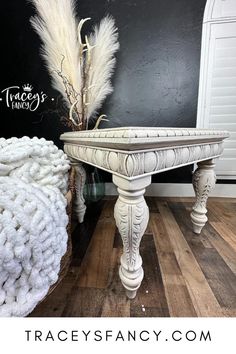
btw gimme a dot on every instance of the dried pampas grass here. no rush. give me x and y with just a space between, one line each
102 63
81 72
57 27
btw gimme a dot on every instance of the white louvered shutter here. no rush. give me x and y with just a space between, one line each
217 87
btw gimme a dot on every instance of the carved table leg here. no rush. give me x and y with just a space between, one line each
80 179
203 182
131 215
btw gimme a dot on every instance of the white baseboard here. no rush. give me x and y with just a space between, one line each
178 190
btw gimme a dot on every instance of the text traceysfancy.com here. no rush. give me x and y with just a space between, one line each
116 335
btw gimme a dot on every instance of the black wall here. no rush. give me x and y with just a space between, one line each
156 79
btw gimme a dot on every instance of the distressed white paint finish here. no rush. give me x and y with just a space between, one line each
132 155
135 164
80 179
131 215
133 152
217 85
137 138
204 180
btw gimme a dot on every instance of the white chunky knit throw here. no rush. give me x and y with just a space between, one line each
34 161
33 220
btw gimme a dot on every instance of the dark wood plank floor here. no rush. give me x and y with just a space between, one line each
186 275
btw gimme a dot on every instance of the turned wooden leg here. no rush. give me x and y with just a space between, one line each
131 215
203 182
80 179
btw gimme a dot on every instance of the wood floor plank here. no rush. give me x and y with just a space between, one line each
117 240
178 298
222 281
227 208
151 294
192 199
229 312
225 232
83 232
152 205
145 311
219 276
233 205
185 274
211 215
188 206
206 243
222 200
224 213
203 299
95 266
85 302
222 247
108 209
116 304
161 237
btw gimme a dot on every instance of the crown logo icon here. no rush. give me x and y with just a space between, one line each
27 87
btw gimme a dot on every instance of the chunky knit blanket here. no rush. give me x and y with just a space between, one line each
34 161
33 220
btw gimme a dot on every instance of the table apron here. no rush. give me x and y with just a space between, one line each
137 164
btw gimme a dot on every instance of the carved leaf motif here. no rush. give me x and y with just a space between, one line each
206 190
196 178
139 163
203 183
132 222
79 186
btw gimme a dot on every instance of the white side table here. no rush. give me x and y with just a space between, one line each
133 155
